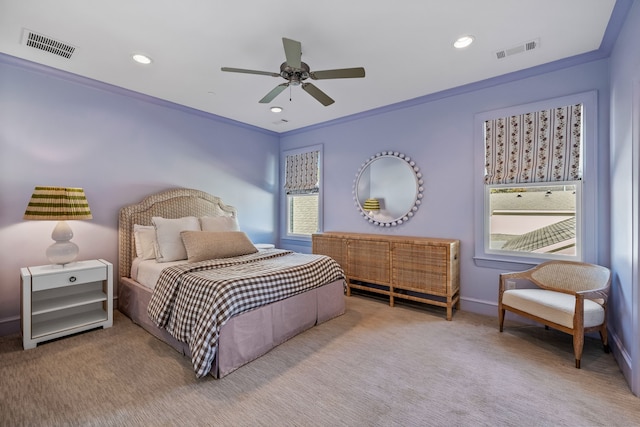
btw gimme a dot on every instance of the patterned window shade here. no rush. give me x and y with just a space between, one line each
302 173
535 147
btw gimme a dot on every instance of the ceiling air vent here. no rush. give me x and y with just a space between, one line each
522 47
39 41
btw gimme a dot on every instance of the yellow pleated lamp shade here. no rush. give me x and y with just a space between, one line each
58 204
371 205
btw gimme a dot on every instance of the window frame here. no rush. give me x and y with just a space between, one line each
586 205
284 199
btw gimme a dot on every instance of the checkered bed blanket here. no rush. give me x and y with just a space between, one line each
193 301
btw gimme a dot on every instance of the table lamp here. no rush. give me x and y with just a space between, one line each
59 204
371 205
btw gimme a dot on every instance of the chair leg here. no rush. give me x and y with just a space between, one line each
605 339
578 344
501 317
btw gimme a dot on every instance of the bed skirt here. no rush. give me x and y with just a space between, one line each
249 335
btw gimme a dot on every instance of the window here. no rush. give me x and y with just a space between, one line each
302 214
534 220
302 189
531 205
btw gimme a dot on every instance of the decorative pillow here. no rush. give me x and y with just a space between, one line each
169 246
145 239
219 223
203 245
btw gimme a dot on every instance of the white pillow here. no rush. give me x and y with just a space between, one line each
169 246
219 223
145 239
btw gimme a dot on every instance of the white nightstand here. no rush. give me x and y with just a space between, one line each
262 246
62 300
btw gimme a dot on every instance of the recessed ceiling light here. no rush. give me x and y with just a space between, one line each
140 58
463 42
276 109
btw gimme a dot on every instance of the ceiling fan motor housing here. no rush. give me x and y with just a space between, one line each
294 75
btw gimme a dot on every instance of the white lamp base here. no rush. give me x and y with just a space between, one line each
62 251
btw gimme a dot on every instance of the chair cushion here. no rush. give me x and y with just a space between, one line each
553 306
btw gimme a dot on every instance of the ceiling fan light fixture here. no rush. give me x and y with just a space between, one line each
276 109
463 41
141 59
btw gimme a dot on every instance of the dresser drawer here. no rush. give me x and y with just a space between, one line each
66 278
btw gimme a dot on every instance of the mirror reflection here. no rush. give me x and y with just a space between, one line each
388 189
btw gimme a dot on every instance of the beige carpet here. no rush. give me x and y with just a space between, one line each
374 366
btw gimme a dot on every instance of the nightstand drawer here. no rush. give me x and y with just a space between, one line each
66 278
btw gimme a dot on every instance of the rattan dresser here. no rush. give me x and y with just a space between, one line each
414 268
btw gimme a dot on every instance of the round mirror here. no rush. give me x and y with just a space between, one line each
388 189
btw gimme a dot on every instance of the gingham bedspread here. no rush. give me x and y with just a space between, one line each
193 301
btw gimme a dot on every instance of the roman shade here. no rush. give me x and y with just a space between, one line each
302 173
542 146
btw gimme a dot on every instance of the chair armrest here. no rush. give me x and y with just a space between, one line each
601 294
514 275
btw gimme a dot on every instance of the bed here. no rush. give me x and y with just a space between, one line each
148 290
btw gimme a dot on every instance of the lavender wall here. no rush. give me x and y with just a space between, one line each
625 185
438 134
56 129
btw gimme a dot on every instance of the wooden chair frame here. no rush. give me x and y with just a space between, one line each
593 282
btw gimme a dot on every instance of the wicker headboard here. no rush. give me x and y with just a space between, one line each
175 203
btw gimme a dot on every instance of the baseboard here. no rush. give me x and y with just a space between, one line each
490 308
9 326
622 357
478 306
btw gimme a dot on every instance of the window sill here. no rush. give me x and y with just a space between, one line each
505 264
296 238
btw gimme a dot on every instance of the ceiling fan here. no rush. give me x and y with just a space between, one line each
296 72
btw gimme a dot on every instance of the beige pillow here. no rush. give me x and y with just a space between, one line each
203 245
145 239
219 223
169 246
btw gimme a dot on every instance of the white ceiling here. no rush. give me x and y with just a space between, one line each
405 47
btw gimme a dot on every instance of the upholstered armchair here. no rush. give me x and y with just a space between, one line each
570 297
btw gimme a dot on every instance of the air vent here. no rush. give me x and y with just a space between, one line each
280 122
521 48
39 41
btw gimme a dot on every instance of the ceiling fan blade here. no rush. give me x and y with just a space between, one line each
322 97
242 70
342 73
274 92
293 52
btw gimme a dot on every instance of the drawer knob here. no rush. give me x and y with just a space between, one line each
72 279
